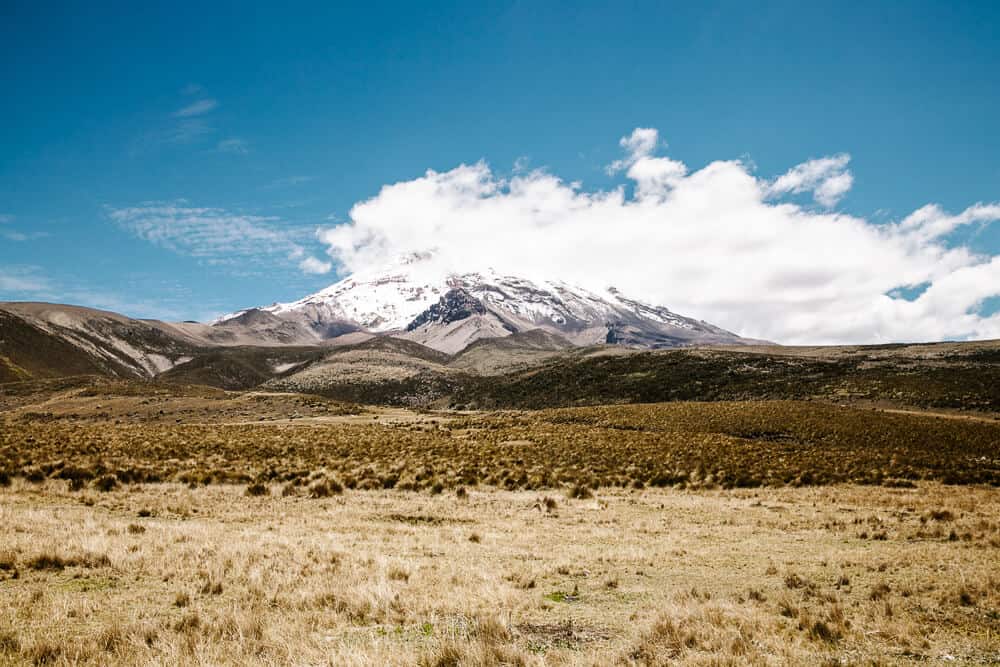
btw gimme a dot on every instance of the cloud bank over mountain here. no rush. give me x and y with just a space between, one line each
720 243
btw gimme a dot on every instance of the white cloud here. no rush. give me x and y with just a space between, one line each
827 178
315 266
198 108
716 243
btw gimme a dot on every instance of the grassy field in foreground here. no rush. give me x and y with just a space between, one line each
166 574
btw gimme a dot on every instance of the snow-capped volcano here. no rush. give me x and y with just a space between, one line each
448 310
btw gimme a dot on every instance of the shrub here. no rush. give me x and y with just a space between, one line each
325 487
258 489
106 483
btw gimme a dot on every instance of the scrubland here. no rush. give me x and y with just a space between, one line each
202 527
693 445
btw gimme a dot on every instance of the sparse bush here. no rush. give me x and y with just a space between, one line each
325 487
188 623
211 587
879 591
106 483
9 643
258 489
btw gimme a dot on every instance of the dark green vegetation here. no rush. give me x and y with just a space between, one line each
693 445
937 377
959 381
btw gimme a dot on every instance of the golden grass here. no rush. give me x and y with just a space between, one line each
691 445
165 574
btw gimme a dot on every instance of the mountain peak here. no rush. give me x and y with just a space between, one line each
447 311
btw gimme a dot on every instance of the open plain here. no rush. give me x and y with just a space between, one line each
162 524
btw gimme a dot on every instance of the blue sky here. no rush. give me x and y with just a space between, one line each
284 116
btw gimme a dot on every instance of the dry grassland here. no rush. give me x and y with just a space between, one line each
693 445
196 527
165 574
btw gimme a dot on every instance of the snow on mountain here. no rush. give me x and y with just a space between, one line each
448 311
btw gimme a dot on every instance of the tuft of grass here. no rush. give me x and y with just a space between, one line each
43 652
257 489
879 591
9 643
105 483
325 487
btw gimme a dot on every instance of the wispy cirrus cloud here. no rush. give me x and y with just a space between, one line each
198 108
288 181
233 145
19 237
10 234
186 125
217 236
18 282
32 283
